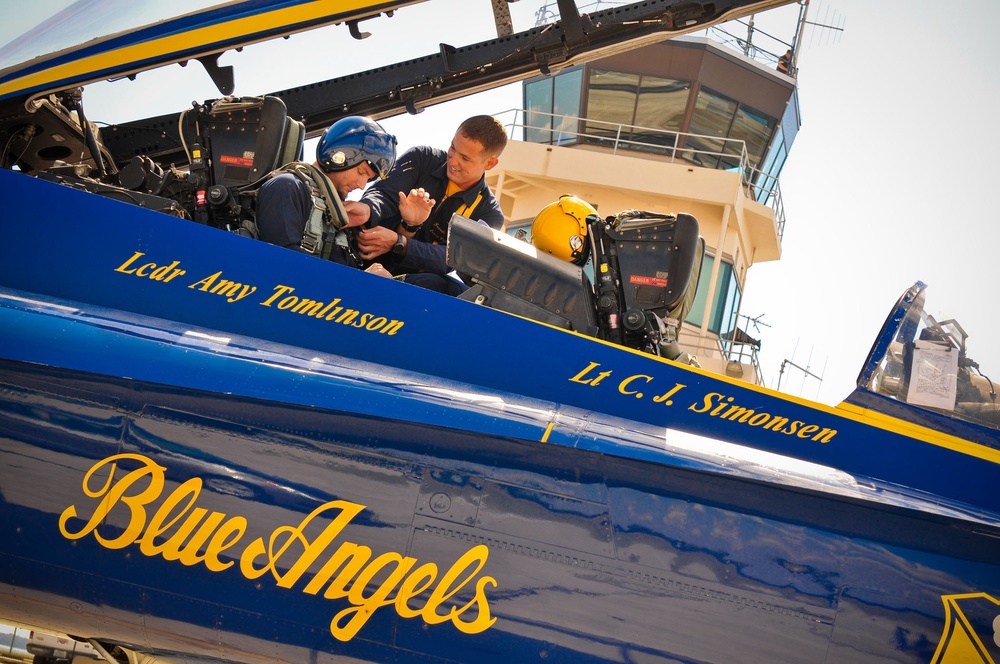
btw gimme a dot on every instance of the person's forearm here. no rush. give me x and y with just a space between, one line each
425 256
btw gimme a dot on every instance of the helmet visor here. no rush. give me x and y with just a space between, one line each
380 150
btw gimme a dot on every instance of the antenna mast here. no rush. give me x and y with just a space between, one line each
805 370
803 10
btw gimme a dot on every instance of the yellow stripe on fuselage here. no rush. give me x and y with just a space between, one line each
918 432
844 410
163 48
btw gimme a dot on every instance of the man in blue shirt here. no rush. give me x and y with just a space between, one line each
409 211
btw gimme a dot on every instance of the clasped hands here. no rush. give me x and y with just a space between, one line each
414 208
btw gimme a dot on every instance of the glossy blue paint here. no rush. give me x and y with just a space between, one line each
606 544
216 450
596 557
629 534
418 331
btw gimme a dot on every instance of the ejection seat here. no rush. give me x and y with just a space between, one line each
233 142
659 261
647 269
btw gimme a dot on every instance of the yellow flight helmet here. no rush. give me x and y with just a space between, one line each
560 228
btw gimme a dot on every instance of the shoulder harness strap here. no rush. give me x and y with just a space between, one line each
328 215
323 229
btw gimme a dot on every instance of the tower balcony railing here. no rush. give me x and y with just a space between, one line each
710 349
740 352
728 154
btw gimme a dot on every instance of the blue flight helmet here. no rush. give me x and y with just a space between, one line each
354 140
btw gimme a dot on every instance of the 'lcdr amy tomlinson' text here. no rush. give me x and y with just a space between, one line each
178 529
279 297
711 404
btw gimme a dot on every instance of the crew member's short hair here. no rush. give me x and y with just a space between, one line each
488 131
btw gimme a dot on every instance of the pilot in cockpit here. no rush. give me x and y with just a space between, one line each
351 153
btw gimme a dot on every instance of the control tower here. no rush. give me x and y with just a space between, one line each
685 125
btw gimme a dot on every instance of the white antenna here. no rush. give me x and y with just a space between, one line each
756 320
827 26
765 47
806 371
831 25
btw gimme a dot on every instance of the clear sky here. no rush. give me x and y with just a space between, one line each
889 180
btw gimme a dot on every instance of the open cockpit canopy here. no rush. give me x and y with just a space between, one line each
920 369
82 41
